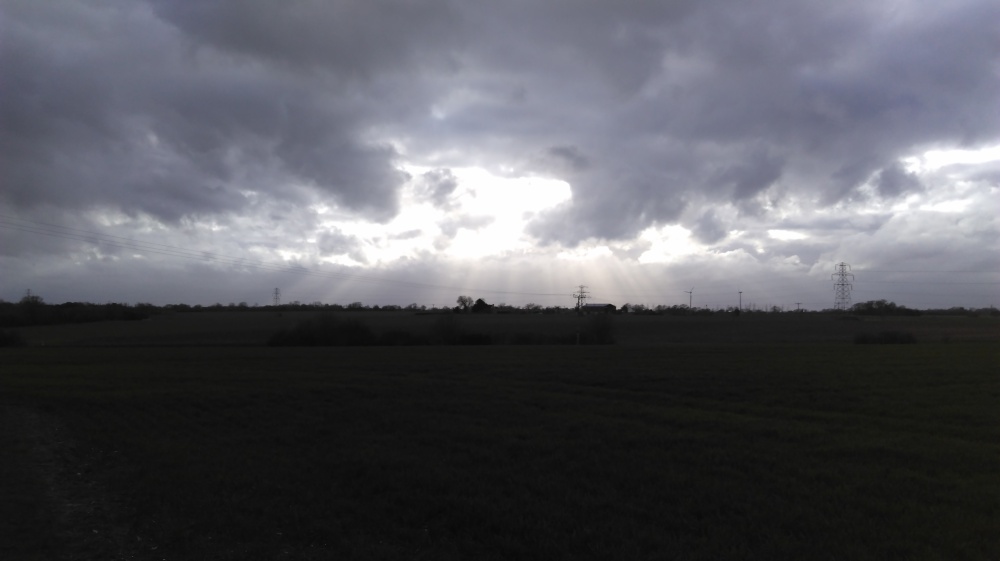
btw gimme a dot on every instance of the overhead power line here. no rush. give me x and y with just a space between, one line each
923 271
927 282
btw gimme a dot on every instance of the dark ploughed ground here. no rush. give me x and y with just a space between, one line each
760 451
255 327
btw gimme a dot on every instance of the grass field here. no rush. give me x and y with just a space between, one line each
254 328
711 451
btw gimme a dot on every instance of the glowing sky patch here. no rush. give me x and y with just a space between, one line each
936 159
485 215
786 235
947 206
584 253
667 244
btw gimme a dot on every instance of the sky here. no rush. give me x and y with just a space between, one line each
410 151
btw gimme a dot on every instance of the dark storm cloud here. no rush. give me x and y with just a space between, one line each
709 228
830 94
894 181
107 106
655 112
569 157
347 37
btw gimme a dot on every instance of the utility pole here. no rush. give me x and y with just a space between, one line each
741 301
580 296
797 304
277 297
842 286
690 294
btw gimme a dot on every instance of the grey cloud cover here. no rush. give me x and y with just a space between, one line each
149 122
167 115
438 185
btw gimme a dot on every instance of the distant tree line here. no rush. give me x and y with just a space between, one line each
33 310
331 330
882 308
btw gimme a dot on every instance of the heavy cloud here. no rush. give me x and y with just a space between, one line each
720 116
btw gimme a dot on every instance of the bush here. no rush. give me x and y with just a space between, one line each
885 338
599 330
882 308
475 339
525 339
447 330
325 331
330 331
11 338
400 338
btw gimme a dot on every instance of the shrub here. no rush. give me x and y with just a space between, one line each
325 331
524 339
447 330
475 339
882 308
400 338
599 330
885 338
11 338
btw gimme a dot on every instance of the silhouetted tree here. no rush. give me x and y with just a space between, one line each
882 308
481 307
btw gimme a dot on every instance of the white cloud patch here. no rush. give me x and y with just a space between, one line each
667 244
786 235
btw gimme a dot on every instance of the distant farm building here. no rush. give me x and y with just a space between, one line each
598 308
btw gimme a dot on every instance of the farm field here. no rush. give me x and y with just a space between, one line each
255 327
812 450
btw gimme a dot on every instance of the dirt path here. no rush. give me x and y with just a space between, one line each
56 503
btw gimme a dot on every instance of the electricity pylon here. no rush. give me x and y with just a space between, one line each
580 296
842 286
